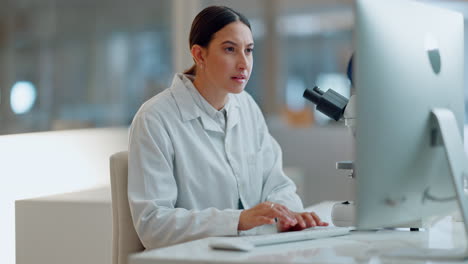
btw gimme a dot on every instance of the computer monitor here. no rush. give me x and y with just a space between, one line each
409 61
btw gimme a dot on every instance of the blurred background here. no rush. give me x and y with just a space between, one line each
75 64
86 63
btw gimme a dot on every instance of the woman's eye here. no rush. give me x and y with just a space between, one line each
249 50
230 49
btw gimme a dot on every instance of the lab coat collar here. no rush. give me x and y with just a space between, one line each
189 109
233 112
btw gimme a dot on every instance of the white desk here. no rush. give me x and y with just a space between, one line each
359 247
72 228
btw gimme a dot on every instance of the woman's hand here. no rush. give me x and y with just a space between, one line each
264 214
304 220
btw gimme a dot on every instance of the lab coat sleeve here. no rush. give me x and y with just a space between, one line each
152 192
277 187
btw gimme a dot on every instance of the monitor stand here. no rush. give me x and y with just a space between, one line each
447 129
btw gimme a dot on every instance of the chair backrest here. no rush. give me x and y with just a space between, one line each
124 237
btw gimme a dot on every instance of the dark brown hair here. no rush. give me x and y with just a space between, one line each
209 21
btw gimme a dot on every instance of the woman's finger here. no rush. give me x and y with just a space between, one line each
263 220
284 210
318 220
281 212
310 221
284 226
300 221
281 215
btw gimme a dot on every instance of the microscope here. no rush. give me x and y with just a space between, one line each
337 107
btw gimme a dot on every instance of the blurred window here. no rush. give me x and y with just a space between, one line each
92 63
22 97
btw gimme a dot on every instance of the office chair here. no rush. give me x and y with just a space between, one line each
124 237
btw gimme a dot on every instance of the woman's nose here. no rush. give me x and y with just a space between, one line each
243 62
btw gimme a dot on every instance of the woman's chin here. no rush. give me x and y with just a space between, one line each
236 89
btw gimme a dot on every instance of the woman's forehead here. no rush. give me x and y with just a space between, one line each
236 32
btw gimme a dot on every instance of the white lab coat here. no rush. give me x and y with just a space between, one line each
187 173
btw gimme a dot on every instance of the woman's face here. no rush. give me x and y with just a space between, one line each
229 59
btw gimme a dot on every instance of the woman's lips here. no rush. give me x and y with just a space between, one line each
239 78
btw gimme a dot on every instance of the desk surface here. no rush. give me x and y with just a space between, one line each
358 247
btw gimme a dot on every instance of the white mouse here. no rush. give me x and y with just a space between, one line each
231 244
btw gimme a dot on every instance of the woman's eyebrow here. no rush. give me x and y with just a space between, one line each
234 44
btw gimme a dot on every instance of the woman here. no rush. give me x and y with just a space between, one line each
201 160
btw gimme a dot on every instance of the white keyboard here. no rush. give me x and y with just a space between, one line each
249 242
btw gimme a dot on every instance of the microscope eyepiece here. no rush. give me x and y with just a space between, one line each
314 95
316 89
330 103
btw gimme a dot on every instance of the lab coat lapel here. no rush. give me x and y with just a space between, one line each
233 114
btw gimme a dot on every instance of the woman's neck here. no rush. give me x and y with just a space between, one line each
211 93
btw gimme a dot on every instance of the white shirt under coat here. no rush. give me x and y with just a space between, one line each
189 166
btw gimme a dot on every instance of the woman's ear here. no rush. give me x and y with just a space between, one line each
198 54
